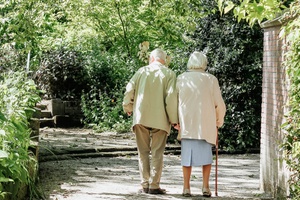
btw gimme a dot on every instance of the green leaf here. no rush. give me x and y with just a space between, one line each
5 180
3 154
2 132
229 7
221 6
2 117
296 150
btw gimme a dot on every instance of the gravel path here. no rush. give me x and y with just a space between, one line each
99 176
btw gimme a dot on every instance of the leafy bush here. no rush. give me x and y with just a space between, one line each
234 53
102 104
18 96
104 112
10 58
62 75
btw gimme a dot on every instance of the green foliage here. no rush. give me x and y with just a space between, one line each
25 24
291 143
119 26
18 96
104 112
10 58
253 11
234 52
62 75
102 104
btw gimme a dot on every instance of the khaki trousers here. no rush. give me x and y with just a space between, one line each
151 144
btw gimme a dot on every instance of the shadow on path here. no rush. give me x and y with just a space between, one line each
118 177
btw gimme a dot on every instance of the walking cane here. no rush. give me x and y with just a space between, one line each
216 178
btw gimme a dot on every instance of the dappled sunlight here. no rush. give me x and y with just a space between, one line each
118 178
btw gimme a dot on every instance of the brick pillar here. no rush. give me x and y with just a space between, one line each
273 172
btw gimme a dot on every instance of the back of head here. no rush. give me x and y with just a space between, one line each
158 54
197 61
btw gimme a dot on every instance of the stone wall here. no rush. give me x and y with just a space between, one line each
273 171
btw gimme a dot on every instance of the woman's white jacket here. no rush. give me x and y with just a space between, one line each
201 108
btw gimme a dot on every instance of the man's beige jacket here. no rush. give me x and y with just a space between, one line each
151 96
201 107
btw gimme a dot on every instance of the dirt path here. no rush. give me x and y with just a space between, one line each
118 177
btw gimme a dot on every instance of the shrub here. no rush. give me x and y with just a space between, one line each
102 104
18 96
10 58
62 75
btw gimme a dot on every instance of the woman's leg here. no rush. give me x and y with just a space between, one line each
187 170
206 174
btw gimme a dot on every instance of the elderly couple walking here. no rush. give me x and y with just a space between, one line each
192 104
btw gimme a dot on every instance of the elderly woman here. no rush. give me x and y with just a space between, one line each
201 111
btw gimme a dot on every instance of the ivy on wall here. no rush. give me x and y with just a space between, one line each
291 143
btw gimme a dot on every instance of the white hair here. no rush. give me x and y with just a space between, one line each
197 60
158 54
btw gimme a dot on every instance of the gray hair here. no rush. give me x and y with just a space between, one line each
158 54
197 60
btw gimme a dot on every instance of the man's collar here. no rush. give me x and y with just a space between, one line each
196 70
156 63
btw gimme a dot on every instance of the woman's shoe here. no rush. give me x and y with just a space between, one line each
206 192
186 193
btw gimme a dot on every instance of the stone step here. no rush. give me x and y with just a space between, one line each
61 121
47 122
65 121
34 148
43 105
37 113
45 114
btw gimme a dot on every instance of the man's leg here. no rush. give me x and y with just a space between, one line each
158 144
143 145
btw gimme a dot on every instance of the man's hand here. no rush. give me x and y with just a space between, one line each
176 126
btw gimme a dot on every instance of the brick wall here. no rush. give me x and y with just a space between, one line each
273 172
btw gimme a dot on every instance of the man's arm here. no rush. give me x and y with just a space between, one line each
128 98
171 100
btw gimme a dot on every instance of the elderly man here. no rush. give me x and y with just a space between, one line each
151 97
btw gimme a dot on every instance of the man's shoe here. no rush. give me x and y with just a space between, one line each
157 191
144 190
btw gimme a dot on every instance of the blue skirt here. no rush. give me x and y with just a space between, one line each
195 153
